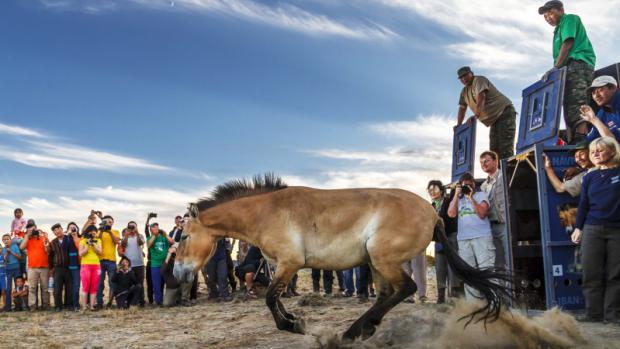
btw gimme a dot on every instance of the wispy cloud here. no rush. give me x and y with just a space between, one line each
19 131
508 38
36 149
281 15
422 151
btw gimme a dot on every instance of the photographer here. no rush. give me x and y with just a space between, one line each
172 296
59 264
474 229
128 288
74 263
149 279
11 256
37 246
133 243
248 268
110 238
177 231
158 244
90 249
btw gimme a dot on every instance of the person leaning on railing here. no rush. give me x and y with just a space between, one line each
598 231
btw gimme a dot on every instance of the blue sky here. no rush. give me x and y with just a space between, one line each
138 105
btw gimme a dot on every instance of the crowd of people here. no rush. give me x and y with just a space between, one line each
76 262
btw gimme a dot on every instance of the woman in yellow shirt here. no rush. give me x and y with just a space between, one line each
90 271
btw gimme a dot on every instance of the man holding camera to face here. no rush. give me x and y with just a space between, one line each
110 238
37 245
59 262
474 229
133 243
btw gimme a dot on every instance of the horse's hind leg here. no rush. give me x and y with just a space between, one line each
384 289
284 320
403 286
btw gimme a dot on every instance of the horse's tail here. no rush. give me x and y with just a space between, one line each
487 281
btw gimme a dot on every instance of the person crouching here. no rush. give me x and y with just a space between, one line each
172 294
128 288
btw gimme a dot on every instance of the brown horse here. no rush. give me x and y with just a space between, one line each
299 227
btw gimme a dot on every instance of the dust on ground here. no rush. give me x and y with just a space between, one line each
249 324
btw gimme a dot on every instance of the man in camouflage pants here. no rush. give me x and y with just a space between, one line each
491 107
571 48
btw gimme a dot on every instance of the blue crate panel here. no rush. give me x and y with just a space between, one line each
463 150
541 111
562 264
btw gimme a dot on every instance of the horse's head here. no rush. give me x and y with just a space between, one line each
196 247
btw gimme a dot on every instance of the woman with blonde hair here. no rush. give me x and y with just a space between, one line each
598 231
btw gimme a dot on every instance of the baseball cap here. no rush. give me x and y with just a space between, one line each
550 5
603 80
463 70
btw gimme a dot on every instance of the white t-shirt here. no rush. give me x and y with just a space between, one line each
470 225
133 251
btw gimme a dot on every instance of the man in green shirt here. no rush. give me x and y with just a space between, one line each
158 244
571 48
491 108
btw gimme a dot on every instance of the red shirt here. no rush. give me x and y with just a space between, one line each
37 257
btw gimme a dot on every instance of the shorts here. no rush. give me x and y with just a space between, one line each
247 268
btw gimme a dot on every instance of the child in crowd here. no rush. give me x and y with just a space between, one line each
18 226
20 295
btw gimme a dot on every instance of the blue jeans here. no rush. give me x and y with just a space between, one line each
11 275
108 267
158 281
75 284
217 272
348 280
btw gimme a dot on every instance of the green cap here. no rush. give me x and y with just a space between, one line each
581 145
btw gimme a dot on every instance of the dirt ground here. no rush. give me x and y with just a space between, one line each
249 325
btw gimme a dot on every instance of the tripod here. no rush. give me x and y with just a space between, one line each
266 268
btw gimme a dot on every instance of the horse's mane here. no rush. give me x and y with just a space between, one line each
238 188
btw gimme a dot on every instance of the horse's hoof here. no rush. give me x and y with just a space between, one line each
368 331
299 325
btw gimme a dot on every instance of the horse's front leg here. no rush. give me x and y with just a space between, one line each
284 320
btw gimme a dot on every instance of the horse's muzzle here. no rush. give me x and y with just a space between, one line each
183 272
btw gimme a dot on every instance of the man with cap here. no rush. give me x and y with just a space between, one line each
572 49
491 107
605 93
158 244
572 177
58 258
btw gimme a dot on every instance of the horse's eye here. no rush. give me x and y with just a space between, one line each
184 237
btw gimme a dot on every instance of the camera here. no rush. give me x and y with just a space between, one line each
104 226
466 190
73 230
152 215
36 233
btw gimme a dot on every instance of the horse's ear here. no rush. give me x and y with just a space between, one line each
193 211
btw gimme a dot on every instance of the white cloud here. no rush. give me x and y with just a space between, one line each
57 154
285 16
19 131
424 152
123 203
508 38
